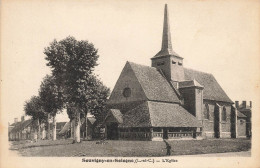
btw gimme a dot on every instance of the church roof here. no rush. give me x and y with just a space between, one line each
166 38
190 83
159 114
155 86
212 89
116 113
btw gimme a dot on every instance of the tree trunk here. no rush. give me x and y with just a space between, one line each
54 128
49 131
43 134
39 129
86 126
77 128
71 129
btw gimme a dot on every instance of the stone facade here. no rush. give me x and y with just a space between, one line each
217 119
241 127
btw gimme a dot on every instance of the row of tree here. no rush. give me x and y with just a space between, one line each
72 86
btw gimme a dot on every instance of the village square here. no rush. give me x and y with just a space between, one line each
158 110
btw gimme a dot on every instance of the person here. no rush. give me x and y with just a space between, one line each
168 147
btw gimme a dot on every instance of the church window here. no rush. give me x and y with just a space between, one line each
127 92
179 63
206 111
224 114
173 62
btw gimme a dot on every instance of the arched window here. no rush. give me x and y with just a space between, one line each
206 111
224 114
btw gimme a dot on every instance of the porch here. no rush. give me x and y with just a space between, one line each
154 134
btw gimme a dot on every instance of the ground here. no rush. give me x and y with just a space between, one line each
65 148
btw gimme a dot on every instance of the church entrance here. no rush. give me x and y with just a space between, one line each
112 131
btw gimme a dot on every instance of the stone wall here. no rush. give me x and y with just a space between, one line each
210 126
189 100
241 127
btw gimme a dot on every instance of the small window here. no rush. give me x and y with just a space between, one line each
160 63
206 111
173 62
224 114
179 63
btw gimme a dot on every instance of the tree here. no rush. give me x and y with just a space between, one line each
34 108
98 98
52 100
72 63
96 95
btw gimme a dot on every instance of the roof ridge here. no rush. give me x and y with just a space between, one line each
198 71
138 79
171 85
140 65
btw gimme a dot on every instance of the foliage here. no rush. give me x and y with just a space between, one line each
34 108
72 63
51 95
98 97
95 97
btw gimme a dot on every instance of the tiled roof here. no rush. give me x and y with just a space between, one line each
65 128
175 87
212 90
20 125
60 124
239 114
190 83
137 117
92 120
155 86
116 114
171 115
13 124
158 114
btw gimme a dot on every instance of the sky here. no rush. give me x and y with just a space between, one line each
218 37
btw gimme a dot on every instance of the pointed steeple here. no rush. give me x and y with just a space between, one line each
166 38
170 63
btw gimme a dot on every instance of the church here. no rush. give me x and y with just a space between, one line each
168 101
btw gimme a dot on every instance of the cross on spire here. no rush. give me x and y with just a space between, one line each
166 38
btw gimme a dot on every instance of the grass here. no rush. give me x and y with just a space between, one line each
65 148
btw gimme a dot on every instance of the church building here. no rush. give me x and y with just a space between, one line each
168 101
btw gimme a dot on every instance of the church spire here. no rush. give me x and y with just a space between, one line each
170 63
166 38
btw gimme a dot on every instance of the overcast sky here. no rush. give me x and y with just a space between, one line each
221 38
